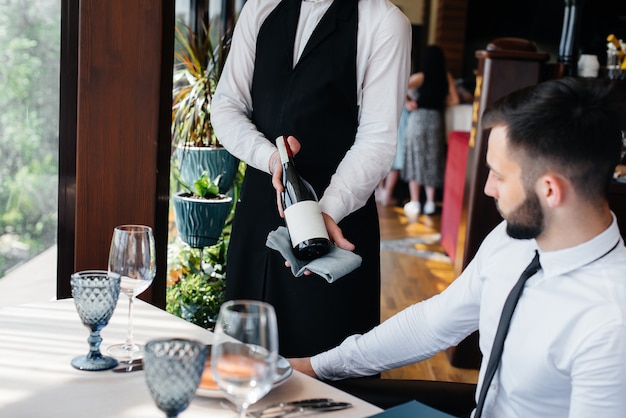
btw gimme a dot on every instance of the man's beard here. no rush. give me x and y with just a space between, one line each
526 221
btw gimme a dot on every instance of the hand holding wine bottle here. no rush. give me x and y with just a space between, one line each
309 238
277 170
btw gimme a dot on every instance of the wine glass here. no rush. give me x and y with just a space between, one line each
173 370
95 294
132 256
244 351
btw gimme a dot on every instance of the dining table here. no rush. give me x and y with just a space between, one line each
39 340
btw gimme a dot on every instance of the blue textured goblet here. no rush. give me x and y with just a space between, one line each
95 295
173 370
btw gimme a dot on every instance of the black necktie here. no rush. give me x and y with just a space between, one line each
503 328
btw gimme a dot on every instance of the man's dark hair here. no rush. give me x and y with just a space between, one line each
570 125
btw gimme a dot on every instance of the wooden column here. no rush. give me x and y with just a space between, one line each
506 65
114 142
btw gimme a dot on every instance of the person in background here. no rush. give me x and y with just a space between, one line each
552 150
433 89
301 68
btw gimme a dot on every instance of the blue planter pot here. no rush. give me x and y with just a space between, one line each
194 161
200 221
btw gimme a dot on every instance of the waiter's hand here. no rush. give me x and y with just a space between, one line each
276 169
336 234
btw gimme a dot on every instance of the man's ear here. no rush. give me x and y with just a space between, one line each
552 188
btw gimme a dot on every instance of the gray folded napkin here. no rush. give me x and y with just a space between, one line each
332 266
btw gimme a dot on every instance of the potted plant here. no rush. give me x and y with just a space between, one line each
200 212
196 276
199 61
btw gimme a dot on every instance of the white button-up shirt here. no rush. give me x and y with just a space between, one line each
565 352
383 64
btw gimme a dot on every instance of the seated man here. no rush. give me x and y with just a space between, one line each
551 153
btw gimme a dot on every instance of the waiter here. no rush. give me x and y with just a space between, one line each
332 74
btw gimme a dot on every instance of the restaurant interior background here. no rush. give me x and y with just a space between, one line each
85 102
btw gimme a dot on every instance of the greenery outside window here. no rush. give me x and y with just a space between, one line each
29 115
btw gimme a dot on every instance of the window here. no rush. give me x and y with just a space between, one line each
29 115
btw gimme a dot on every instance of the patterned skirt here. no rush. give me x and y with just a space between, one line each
424 148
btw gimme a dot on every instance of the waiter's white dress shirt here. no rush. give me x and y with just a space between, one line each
565 353
383 55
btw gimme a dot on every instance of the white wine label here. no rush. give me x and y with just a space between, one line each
304 221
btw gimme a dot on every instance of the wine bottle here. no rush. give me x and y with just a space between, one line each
309 238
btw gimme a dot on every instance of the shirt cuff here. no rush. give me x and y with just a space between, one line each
333 207
262 158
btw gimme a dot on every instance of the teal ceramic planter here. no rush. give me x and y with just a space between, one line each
194 161
200 221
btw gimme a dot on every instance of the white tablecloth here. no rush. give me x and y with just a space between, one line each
38 341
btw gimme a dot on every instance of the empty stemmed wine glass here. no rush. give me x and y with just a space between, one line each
132 256
95 294
244 351
173 370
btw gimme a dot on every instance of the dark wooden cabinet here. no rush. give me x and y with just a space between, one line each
506 65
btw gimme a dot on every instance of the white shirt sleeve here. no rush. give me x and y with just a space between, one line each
414 334
599 374
383 64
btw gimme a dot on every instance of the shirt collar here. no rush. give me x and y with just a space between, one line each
554 263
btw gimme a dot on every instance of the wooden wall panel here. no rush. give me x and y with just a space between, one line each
117 129
123 102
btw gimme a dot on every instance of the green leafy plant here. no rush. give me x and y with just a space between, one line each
199 62
203 187
196 282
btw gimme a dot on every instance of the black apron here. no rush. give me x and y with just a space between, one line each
316 102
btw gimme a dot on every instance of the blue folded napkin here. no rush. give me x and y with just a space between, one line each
412 409
332 266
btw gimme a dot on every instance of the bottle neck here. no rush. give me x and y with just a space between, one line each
283 150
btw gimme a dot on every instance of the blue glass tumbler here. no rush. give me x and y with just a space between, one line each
173 370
